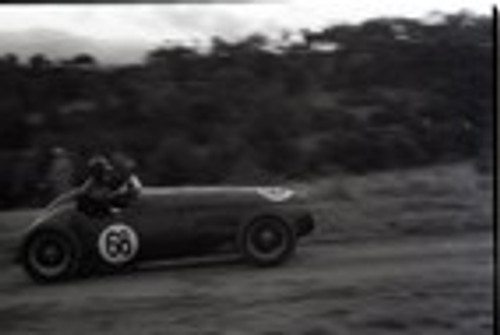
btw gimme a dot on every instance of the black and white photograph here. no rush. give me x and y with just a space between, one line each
287 167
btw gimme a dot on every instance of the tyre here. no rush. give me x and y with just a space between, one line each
267 241
50 256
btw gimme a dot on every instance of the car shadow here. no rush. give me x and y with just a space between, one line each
191 263
174 266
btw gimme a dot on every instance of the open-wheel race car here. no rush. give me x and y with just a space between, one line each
263 224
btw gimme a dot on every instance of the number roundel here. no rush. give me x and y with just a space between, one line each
118 243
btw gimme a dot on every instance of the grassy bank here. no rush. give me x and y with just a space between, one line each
440 199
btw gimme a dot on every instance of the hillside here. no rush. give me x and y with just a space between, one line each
380 95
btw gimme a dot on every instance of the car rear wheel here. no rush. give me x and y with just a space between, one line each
267 241
50 256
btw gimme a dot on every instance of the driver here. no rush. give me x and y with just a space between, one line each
125 183
99 182
109 186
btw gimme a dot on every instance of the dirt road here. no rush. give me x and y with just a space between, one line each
410 285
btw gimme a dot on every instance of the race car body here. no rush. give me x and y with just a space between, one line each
261 223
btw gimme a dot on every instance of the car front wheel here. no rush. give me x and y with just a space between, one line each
267 241
50 256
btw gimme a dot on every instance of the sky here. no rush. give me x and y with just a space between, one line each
123 32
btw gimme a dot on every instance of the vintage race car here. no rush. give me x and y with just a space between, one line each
263 224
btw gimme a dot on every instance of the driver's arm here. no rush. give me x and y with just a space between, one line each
131 186
129 190
135 183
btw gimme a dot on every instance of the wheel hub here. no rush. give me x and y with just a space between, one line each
267 240
268 237
51 255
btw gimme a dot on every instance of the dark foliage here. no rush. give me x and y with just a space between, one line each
387 93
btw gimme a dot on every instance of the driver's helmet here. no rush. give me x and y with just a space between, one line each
100 169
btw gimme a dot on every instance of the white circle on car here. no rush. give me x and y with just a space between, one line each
275 194
118 243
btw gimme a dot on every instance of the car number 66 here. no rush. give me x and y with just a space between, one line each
118 244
